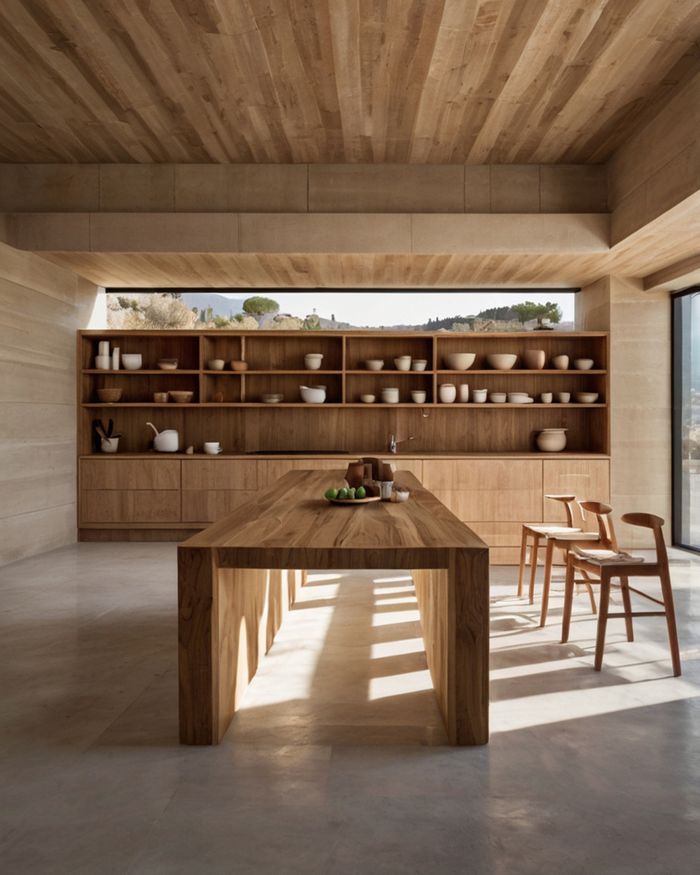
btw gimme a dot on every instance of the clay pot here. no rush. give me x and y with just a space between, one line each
534 359
447 393
355 474
551 440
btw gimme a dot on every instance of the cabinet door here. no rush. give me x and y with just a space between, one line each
506 490
587 479
130 506
240 474
210 505
271 470
129 473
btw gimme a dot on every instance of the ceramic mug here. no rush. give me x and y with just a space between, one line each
563 397
212 448
479 395
385 489
546 397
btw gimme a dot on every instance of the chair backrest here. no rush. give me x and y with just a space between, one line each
655 523
603 515
569 502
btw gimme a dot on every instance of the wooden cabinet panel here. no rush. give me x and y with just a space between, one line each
415 466
130 506
481 490
220 474
498 534
209 505
130 473
587 479
271 470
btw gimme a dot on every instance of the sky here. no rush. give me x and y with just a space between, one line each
412 307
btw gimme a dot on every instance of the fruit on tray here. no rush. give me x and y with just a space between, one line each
345 493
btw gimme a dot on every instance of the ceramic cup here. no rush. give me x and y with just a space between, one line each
563 397
479 395
463 393
418 396
212 448
447 393
385 489
403 363
160 397
561 362
546 397
103 362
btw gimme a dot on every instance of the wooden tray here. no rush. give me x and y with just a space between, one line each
354 500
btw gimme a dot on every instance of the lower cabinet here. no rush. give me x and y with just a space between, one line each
130 506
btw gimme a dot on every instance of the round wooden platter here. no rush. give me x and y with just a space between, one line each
354 500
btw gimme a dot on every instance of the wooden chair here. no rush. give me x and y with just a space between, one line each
606 565
538 532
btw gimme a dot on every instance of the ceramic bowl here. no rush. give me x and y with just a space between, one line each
400 495
160 397
181 397
272 398
216 364
546 397
368 399
419 364
374 364
560 362
403 363
132 361
459 361
109 396
585 397
390 395
497 397
418 396
312 394
534 359
583 364
563 397
479 396
551 440
237 365
313 360
501 361
167 364
518 398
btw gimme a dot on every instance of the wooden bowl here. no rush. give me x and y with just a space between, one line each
109 396
181 397
237 365
167 364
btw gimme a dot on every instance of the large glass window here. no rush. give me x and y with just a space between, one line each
686 419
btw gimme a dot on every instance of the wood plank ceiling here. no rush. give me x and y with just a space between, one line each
423 81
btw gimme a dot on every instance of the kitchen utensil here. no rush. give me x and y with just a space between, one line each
313 360
585 397
160 397
459 361
497 397
563 397
238 365
116 358
374 364
103 362
167 441
272 398
312 394
479 395
132 361
368 399
419 364
546 397
167 364
447 393
109 396
212 448
560 362
181 397
551 440
463 393
385 489
418 396
216 364
403 363
583 364
501 361
534 359
390 395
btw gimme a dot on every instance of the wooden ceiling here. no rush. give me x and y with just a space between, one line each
439 81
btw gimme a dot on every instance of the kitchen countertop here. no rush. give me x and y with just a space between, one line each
418 454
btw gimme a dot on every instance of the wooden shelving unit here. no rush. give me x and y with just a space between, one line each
276 364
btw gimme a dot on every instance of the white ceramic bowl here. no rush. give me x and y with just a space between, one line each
368 399
563 397
312 395
583 364
518 398
272 398
497 397
390 395
585 397
403 363
216 364
459 361
551 440
501 361
418 396
132 361
546 397
399 495
374 364
560 362
313 360
479 396
419 364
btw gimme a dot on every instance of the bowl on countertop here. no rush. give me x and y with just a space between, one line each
132 361
181 397
501 361
167 364
459 361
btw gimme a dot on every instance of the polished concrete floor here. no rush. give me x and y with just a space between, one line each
337 762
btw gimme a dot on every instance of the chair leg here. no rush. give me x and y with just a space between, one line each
548 562
523 560
627 602
568 600
671 621
602 620
533 565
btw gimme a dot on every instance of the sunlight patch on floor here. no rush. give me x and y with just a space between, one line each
383 649
399 684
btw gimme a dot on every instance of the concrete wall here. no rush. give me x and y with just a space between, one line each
41 307
640 382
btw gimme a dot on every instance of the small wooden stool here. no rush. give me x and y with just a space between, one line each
609 564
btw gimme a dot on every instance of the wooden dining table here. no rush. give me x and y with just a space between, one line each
238 578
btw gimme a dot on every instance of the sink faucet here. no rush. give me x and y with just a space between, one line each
393 443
